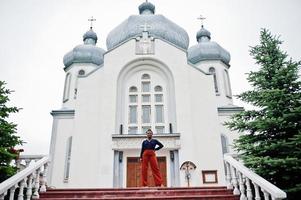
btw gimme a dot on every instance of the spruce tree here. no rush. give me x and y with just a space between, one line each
8 138
271 139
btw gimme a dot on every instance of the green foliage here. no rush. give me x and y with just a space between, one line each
271 143
8 137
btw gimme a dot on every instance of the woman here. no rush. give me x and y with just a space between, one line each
148 155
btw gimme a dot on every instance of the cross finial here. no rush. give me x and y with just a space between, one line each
146 1
202 18
145 26
91 20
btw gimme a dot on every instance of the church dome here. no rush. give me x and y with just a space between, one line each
159 27
85 53
206 49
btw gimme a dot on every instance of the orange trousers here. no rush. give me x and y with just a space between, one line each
149 156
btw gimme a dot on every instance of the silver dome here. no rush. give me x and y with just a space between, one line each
160 27
206 49
85 53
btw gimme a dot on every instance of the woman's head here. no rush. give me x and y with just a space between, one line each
149 133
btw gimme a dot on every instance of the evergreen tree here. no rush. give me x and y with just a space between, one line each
271 143
8 137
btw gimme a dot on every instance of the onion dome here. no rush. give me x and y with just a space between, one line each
87 52
206 49
159 27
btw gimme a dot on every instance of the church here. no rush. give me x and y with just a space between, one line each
148 78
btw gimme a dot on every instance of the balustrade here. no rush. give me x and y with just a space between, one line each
247 184
29 181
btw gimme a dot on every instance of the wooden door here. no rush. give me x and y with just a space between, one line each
133 178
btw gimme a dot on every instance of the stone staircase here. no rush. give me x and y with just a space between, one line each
192 193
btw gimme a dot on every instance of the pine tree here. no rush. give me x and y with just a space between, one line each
271 143
8 137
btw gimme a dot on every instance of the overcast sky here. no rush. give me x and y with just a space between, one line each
36 34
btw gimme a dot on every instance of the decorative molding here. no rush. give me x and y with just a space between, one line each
122 142
229 109
66 112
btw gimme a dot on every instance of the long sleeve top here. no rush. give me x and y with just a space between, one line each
150 145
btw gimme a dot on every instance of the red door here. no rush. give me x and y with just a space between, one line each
134 172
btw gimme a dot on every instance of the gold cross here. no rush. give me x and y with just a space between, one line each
91 20
202 18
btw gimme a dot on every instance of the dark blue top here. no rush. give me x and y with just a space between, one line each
150 145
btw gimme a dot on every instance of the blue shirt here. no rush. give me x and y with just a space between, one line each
150 145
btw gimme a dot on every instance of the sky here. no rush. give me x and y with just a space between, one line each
36 34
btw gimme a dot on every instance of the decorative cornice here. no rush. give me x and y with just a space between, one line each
230 109
62 112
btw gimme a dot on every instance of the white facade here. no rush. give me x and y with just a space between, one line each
102 120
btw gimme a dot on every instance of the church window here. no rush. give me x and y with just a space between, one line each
81 72
227 84
146 114
133 89
67 87
145 76
133 115
212 71
146 98
145 86
133 130
158 88
133 98
159 129
68 159
159 114
158 97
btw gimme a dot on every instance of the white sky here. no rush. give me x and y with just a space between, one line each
36 34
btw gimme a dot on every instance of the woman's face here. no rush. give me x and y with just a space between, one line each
149 134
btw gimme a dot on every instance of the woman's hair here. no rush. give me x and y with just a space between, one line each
149 130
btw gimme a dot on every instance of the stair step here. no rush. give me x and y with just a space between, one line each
205 193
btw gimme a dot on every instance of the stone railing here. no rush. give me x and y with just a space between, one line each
29 181
247 184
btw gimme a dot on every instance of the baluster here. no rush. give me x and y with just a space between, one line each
21 188
234 181
44 181
3 195
228 176
37 185
12 192
242 187
18 164
257 194
249 190
29 188
266 195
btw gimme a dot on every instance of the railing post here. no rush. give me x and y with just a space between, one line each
228 176
44 181
21 188
249 190
257 194
241 186
12 192
266 195
37 185
29 187
234 181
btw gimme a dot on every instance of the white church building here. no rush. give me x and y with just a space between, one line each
148 77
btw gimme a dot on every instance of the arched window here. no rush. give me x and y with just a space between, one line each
145 76
67 87
227 84
146 107
212 71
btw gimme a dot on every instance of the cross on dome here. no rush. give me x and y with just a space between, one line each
202 18
91 22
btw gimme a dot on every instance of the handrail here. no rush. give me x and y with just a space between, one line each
266 186
22 175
